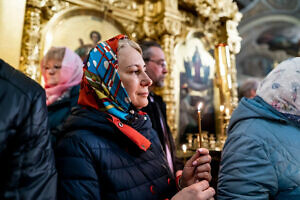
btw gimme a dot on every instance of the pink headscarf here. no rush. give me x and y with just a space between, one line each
70 75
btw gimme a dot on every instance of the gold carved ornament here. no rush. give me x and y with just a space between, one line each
164 21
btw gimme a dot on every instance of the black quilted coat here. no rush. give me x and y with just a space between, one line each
97 161
27 168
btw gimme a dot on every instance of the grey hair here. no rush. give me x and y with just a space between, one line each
146 48
246 87
55 53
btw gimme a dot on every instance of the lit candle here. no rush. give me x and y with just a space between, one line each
199 121
227 112
184 148
221 108
222 119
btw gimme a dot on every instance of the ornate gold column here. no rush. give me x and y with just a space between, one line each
219 20
161 22
168 45
172 26
30 50
166 21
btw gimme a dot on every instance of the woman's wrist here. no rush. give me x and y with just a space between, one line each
178 183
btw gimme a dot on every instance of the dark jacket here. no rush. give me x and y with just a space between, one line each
59 111
260 159
156 109
27 169
97 161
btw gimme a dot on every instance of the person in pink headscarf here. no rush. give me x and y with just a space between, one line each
62 72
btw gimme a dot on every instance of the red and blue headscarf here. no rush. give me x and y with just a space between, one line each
101 87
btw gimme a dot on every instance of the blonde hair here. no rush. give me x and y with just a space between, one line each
127 42
54 53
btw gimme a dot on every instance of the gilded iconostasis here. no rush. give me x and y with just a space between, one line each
189 31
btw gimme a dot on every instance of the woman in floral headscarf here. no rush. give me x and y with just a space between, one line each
62 73
110 150
260 158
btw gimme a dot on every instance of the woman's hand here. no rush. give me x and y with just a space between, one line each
197 191
197 168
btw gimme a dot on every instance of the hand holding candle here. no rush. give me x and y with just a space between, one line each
197 168
199 121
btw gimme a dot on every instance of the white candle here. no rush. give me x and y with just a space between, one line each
227 112
221 108
184 148
199 121
222 119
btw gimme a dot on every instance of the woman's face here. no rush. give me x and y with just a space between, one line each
52 71
133 76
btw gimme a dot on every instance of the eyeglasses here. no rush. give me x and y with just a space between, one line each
162 63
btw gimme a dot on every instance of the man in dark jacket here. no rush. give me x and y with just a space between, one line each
157 70
27 169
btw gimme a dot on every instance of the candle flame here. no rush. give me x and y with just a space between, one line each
199 106
227 111
184 148
221 108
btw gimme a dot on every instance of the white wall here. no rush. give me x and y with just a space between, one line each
11 27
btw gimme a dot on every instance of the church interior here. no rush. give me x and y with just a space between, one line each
211 47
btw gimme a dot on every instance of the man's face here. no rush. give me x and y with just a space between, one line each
156 66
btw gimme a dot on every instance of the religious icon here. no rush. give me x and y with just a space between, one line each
64 31
84 49
196 85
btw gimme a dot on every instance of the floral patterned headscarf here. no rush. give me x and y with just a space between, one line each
101 87
281 88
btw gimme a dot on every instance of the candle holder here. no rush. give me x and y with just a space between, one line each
205 140
197 139
212 142
189 138
184 152
224 122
